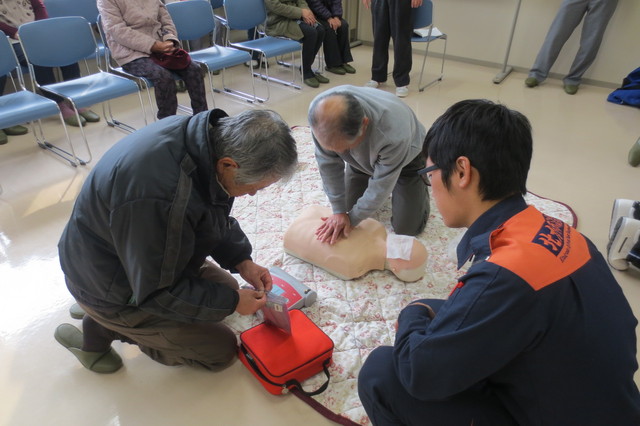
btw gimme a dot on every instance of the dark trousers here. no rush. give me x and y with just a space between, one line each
311 43
387 402
165 85
409 198
44 75
392 19
211 345
336 47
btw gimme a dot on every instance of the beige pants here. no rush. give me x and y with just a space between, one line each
209 345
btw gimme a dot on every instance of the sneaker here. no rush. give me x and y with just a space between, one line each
349 69
16 130
252 63
312 82
570 89
69 115
3 137
531 82
402 91
623 208
322 79
336 70
625 236
634 154
372 83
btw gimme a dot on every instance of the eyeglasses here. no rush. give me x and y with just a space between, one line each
423 173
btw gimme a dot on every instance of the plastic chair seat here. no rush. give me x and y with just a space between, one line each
23 106
94 88
270 46
219 57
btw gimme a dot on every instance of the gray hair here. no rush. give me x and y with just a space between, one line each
260 142
350 123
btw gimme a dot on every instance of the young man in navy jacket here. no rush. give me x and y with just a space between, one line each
537 332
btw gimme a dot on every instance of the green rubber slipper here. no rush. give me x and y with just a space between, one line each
634 154
76 311
322 79
89 115
16 130
349 69
98 362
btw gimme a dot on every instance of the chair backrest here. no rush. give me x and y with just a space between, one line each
193 19
423 15
245 14
88 9
215 4
8 60
57 42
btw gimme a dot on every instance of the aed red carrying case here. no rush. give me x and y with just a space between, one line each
281 361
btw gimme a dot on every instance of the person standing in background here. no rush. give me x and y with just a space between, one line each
596 14
392 20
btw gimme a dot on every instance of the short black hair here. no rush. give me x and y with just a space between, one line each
496 139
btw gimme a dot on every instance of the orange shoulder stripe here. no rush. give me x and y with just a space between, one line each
539 249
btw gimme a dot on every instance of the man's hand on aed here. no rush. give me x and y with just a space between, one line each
256 275
250 301
333 228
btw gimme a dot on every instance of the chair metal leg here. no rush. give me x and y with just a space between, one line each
268 78
71 157
424 60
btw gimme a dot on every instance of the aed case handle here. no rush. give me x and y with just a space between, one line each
308 295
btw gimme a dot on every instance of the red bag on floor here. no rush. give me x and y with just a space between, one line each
281 361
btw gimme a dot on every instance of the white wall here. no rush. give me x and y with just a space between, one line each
479 30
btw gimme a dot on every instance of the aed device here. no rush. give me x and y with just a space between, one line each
297 294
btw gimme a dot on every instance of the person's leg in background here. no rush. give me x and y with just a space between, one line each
193 79
567 19
13 130
401 19
163 82
311 43
344 46
594 25
381 36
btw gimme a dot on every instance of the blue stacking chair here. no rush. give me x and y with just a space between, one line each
88 9
193 20
56 42
24 106
423 19
249 14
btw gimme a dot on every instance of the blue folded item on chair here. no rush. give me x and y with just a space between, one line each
178 60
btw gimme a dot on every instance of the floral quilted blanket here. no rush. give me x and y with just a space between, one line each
359 315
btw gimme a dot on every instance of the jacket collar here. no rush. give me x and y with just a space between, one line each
478 233
201 149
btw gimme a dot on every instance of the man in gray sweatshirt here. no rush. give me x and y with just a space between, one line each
379 138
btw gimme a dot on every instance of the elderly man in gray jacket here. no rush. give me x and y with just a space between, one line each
379 138
150 213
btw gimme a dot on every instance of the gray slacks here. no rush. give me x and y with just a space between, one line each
211 345
597 14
